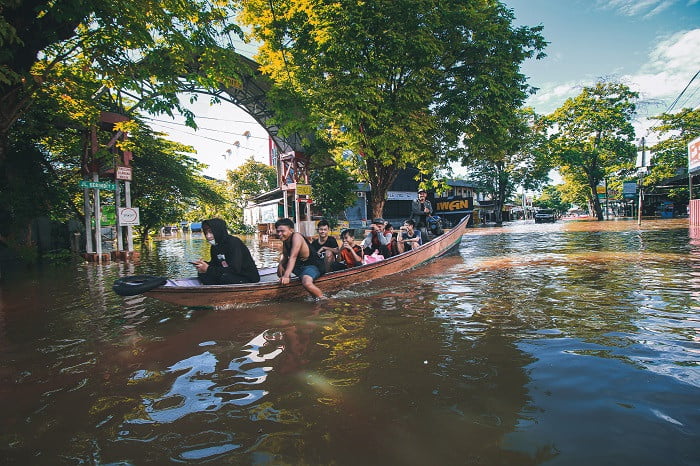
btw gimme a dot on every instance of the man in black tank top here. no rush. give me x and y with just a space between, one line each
298 258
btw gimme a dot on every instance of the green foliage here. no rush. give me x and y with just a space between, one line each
507 155
220 207
166 181
142 52
63 63
674 131
376 78
249 180
593 137
551 197
575 189
333 192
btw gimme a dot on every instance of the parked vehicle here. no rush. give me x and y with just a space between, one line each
545 216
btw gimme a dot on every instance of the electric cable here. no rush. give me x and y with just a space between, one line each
682 92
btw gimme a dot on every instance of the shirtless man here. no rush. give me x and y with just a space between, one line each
297 258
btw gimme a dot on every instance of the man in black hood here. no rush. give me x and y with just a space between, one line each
230 262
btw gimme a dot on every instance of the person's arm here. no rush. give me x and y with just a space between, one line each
367 242
333 245
292 259
415 208
419 238
281 266
357 258
428 206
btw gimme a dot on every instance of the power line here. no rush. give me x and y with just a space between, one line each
198 136
687 100
163 122
682 92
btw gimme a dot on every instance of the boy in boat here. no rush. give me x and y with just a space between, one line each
326 246
231 262
298 258
376 239
409 238
350 254
392 237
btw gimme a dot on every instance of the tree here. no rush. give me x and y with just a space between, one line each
64 62
592 135
506 154
333 192
575 189
551 198
221 207
249 180
370 76
147 50
674 132
166 181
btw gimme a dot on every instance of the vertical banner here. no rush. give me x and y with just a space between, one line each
694 155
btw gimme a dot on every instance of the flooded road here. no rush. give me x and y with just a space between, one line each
572 343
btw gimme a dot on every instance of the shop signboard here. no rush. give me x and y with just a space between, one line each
445 205
629 189
694 155
303 189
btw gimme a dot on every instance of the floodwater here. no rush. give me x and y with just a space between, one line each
573 343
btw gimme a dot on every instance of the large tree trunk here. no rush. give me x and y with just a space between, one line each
501 180
596 202
381 178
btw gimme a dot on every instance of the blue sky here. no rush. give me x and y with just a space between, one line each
653 46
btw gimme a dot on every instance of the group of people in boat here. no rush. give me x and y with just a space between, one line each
232 263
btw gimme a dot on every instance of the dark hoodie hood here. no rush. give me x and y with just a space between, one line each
218 228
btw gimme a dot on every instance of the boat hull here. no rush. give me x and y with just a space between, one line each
250 293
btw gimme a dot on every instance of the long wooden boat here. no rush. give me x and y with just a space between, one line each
183 292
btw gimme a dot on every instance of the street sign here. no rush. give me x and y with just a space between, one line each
124 173
109 216
304 189
128 216
96 184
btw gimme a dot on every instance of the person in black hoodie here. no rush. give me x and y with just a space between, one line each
230 262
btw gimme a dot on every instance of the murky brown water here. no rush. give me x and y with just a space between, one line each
572 344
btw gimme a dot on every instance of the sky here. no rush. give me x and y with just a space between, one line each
653 46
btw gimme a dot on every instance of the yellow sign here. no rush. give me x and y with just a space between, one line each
304 189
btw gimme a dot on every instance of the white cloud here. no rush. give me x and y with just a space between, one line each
671 65
645 8
681 51
667 70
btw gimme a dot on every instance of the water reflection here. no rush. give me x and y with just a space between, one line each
484 358
194 391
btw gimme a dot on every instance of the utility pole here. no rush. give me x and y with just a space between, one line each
643 162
